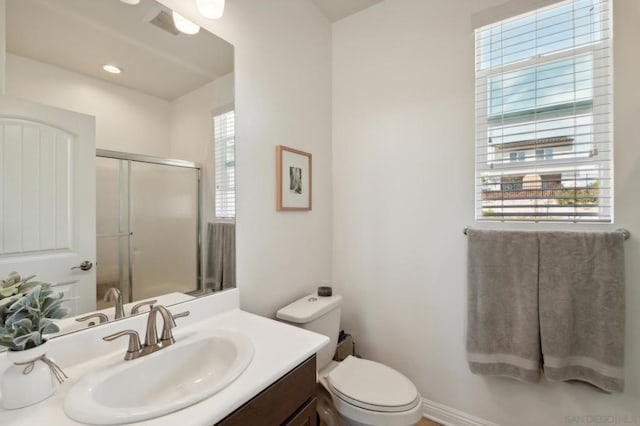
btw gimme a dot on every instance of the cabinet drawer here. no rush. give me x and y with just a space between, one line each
277 403
306 416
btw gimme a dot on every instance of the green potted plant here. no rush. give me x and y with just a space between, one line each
27 309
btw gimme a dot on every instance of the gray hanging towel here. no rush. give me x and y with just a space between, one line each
221 256
582 307
503 335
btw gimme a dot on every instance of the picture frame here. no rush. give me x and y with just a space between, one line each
294 179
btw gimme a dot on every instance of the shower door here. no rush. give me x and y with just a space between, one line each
148 226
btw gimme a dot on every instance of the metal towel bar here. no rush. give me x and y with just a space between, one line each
625 232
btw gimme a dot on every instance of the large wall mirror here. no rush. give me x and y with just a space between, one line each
117 155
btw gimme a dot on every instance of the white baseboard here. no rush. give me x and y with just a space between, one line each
450 416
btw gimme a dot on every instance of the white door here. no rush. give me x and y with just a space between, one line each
47 197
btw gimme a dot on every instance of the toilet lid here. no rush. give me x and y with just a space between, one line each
372 386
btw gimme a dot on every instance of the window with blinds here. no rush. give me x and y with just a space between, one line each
544 115
225 165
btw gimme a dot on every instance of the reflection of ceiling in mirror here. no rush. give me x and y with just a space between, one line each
84 35
338 9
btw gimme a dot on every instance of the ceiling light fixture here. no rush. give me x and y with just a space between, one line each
212 9
184 25
130 1
112 69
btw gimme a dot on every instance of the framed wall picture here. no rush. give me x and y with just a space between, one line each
293 169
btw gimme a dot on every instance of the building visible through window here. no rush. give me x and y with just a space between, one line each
543 115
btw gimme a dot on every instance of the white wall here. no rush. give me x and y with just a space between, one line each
403 174
126 120
3 43
283 96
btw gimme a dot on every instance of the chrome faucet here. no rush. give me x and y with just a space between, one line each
151 342
114 294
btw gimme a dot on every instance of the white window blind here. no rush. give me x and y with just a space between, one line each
225 165
544 115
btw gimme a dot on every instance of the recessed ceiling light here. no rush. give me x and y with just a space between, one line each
112 69
184 25
130 1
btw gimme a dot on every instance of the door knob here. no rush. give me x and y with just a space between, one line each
84 266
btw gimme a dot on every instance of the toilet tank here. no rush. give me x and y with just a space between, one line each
318 314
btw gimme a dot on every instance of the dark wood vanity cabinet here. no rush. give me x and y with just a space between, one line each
305 416
289 401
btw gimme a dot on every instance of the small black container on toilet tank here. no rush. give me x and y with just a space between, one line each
325 291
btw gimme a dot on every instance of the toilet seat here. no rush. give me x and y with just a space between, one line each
372 386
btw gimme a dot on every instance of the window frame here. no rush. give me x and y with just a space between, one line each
221 209
600 49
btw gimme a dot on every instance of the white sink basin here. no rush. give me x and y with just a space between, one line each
173 378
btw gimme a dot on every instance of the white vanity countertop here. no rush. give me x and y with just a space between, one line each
278 349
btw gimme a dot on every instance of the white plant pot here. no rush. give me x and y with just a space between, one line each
20 389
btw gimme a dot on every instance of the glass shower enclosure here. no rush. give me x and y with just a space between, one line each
148 226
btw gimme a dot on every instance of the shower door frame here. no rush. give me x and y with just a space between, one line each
126 156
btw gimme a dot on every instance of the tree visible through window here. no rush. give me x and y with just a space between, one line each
543 115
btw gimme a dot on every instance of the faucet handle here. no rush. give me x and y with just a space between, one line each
181 315
100 316
134 342
136 307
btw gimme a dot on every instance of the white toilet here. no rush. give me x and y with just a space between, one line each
365 393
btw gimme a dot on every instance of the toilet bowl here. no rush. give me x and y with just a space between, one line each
369 393
364 392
